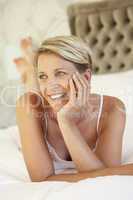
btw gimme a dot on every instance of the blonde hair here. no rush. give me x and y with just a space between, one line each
70 48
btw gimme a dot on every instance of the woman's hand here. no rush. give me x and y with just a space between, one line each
78 104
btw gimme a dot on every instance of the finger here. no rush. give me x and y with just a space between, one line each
80 91
27 48
85 84
72 91
82 79
26 42
88 85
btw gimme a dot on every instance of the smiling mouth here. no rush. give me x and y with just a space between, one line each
58 97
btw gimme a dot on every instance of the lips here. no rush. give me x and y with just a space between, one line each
57 96
55 93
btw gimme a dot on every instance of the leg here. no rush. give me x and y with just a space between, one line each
25 66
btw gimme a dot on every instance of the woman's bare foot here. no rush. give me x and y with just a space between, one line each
25 65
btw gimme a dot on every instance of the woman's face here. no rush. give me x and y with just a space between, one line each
53 75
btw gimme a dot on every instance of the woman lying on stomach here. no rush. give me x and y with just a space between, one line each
67 133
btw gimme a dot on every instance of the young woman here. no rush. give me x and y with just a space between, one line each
67 132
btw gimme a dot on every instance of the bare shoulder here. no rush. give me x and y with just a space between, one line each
112 104
114 110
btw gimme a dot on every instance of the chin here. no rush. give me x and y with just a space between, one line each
57 105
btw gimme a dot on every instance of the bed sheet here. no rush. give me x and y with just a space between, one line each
15 182
101 188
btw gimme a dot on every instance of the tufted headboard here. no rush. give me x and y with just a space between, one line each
107 27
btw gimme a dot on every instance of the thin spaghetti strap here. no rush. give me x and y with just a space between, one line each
100 111
46 123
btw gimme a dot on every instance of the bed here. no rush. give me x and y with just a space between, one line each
116 70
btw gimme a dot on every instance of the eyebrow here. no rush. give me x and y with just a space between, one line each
54 70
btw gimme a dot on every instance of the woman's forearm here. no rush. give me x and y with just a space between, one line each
120 170
83 157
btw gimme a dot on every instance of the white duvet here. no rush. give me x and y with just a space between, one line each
15 182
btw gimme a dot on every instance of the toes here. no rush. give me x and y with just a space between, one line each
27 48
26 43
20 61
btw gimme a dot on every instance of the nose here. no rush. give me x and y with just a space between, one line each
52 83
53 86
55 81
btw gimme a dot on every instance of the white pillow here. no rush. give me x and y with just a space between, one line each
119 85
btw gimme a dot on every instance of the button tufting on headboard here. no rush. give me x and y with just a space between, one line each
107 27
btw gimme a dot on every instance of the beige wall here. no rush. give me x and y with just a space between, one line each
65 3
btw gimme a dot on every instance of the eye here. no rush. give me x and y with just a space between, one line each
61 73
42 76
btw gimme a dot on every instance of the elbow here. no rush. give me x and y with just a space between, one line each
39 177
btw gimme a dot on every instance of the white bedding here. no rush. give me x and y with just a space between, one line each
101 188
15 182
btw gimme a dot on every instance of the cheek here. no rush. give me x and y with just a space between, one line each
64 83
43 89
